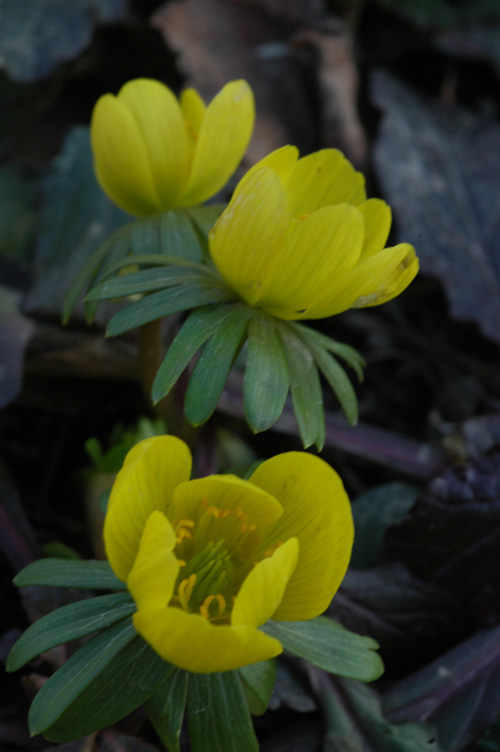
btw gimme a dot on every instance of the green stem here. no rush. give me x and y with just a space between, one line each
171 407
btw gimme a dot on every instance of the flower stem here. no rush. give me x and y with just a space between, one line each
151 351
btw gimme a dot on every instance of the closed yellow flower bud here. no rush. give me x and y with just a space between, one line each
300 240
153 152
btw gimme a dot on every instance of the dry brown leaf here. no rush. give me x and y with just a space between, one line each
220 40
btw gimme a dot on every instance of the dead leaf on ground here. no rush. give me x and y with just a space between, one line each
439 167
220 40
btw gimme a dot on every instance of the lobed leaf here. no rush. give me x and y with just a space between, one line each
105 680
218 715
68 623
305 387
96 575
199 326
351 356
266 381
258 680
164 303
212 369
147 280
166 709
326 644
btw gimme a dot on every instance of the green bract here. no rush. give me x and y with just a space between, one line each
117 663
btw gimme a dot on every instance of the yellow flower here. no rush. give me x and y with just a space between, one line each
300 241
153 152
208 561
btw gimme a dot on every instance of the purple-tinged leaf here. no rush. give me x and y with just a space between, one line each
354 720
459 693
412 620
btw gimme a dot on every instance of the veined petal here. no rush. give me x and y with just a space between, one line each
317 512
193 109
324 244
246 240
322 179
380 278
281 161
222 141
152 578
378 217
161 123
391 272
262 591
194 644
226 492
151 472
120 158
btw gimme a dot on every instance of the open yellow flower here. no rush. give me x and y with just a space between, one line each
153 152
208 561
300 240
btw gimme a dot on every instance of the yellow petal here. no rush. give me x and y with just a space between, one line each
161 123
323 245
226 492
262 591
322 179
380 278
400 266
281 161
316 511
378 217
194 644
222 141
193 109
247 238
146 482
152 578
121 160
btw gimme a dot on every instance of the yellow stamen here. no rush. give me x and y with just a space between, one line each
185 589
205 606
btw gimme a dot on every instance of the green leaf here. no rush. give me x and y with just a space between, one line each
96 575
76 218
218 715
171 232
326 644
108 678
147 280
336 378
17 215
68 623
258 681
374 512
57 31
305 387
166 709
199 326
164 303
212 369
114 247
266 375
351 356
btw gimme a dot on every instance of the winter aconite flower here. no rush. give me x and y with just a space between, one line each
209 561
153 152
300 240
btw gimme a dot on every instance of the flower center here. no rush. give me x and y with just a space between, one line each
215 553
